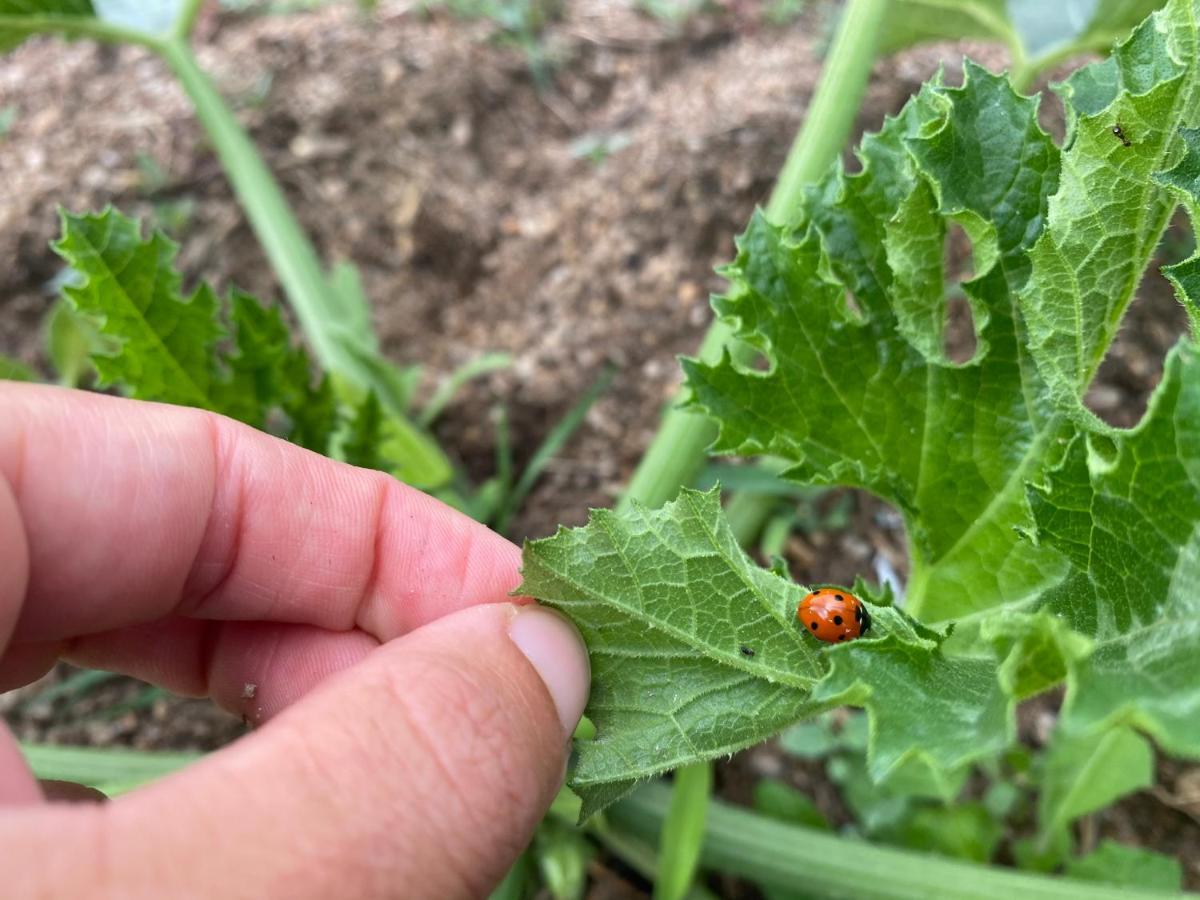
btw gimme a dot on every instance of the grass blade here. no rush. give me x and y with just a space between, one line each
108 770
482 365
683 831
554 442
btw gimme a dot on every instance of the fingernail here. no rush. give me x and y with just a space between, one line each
554 647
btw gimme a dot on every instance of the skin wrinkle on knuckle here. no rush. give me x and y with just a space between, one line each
368 595
467 730
206 576
456 813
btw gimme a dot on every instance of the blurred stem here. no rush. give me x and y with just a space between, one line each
676 455
811 863
338 348
833 107
78 26
683 830
186 20
291 255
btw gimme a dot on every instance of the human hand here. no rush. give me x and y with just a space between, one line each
416 719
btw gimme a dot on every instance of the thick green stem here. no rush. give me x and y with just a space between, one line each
833 107
338 346
676 454
292 256
186 19
811 863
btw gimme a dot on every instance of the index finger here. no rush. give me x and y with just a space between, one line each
134 512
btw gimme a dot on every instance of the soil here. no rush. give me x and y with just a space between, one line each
571 225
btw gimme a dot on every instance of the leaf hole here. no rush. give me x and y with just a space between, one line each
1103 450
958 336
1155 320
853 310
840 534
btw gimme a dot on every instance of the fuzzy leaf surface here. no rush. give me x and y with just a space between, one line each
162 345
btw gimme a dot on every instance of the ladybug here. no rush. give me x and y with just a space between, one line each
833 615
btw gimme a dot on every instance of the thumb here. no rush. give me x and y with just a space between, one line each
419 772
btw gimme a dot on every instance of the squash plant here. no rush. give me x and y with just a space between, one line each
1047 547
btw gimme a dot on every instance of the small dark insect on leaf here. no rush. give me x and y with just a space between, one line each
1120 135
746 651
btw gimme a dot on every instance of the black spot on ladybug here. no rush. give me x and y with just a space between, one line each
814 626
837 620
746 651
841 637
841 599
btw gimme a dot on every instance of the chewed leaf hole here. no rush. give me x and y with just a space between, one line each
854 311
958 338
958 263
959 341
1133 366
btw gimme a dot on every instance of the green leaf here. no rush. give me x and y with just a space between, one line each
1031 28
633 587
21 18
110 770
563 854
158 345
13 370
964 714
667 602
781 801
1184 181
811 740
474 368
362 445
70 341
166 341
1125 513
1109 208
1085 774
964 831
852 401
1114 863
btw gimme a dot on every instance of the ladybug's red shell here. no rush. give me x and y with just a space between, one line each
832 615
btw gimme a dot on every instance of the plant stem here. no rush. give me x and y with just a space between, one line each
683 830
833 107
291 255
77 26
676 454
339 348
186 20
813 863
